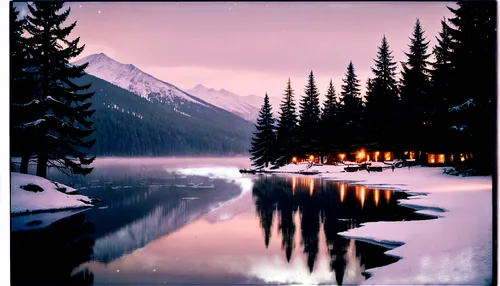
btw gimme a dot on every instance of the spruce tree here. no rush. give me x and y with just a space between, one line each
286 141
474 38
415 93
20 94
309 137
329 124
61 106
441 97
264 138
350 111
382 101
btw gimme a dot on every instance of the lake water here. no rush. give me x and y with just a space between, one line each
199 221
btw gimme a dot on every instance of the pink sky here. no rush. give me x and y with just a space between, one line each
251 48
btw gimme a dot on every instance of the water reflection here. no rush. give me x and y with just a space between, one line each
48 256
332 207
284 231
133 213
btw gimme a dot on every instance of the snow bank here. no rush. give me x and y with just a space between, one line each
293 168
50 199
456 248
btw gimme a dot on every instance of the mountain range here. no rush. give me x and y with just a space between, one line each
133 79
246 107
140 115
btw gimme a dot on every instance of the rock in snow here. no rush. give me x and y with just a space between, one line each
46 198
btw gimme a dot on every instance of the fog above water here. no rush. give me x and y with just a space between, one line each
238 162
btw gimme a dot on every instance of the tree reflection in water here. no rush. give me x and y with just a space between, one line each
335 206
48 256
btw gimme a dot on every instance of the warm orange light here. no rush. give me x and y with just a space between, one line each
387 156
294 185
441 158
342 156
376 196
432 158
387 196
376 156
362 197
462 158
377 153
311 157
361 154
294 159
342 192
311 187
412 155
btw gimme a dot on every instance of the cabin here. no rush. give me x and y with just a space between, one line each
365 154
443 159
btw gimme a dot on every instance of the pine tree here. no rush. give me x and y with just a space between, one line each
20 94
350 111
415 93
286 142
63 115
382 101
441 91
473 59
309 137
329 124
264 139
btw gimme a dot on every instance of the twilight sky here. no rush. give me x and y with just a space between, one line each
251 48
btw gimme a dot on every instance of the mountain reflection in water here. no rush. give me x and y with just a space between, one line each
156 229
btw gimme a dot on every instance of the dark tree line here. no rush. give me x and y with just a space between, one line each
447 105
50 113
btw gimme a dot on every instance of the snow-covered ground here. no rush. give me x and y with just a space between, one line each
50 199
455 249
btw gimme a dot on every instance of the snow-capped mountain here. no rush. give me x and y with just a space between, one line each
131 78
184 124
246 107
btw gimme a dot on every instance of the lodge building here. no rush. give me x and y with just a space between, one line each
423 158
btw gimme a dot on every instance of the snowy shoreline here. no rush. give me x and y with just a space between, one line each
46 196
455 248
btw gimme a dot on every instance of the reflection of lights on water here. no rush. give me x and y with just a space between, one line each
388 196
362 197
294 185
342 192
376 196
311 187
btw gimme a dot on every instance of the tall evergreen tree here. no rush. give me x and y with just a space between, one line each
264 139
382 101
415 93
286 141
350 111
474 39
20 91
309 137
61 107
441 91
329 124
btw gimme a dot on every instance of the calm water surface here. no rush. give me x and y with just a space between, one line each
198 221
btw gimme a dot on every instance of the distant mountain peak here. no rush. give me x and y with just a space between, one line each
131 78
200 86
